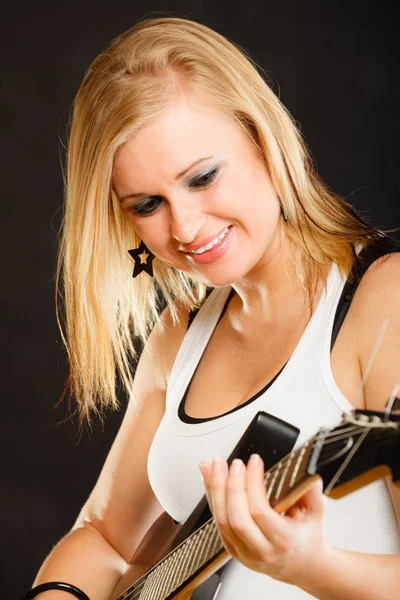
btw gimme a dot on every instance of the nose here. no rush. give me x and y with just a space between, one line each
186 221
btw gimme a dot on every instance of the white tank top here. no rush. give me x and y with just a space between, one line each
304 394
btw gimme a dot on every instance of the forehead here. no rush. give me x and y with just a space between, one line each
169 143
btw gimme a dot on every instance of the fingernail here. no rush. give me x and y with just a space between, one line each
236 466
217 464
203 467
254 461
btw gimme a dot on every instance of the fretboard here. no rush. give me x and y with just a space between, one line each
204 546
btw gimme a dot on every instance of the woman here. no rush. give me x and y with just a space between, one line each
180 153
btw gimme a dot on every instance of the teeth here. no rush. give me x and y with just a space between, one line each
210 244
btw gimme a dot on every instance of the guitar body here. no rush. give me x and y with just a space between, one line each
154 547
267 436
363 447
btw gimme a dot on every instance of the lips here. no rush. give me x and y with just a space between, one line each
213 250
206 245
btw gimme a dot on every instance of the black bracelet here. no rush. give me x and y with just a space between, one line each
56 585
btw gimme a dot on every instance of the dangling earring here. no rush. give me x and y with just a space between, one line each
143 259
284 213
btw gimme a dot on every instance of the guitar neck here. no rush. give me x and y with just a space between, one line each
202 553
347 457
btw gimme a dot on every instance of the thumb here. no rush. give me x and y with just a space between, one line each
314 499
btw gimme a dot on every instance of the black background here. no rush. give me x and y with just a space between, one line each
333 64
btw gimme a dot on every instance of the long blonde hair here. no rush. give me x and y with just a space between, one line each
103 309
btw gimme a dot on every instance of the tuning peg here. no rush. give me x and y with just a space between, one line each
362 418
375 419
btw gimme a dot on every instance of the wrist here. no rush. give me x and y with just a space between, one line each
56 587
317 569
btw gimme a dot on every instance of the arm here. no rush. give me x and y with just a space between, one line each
292 548
345 574
122 506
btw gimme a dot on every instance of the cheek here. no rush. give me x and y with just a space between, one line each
152 231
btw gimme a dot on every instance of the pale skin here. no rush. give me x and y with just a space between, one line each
251 530
262 325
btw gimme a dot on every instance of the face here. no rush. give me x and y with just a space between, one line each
196 191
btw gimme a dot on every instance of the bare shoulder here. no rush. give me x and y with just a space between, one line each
122 506
162 346
381 283
376 318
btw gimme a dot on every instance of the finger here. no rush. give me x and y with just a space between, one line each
205 469
244 528
216 490
314 500
268 520
310 505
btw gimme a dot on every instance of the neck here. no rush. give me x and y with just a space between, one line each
270 292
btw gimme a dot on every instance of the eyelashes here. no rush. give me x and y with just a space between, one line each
205 179
150 205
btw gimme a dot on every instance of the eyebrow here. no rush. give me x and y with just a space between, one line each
179 176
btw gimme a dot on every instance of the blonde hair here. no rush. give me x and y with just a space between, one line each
126 86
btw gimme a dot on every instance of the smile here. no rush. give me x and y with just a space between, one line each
213 242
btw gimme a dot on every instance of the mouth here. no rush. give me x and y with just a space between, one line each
218 239
213 250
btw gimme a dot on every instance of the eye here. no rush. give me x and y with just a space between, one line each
148 206
204 180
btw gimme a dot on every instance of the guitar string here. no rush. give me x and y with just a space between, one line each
353 430
372 357
269 472
139 588
361 389
149 572
346 461
361 429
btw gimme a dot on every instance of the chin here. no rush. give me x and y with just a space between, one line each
217 280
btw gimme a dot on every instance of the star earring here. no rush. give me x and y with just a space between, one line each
143 260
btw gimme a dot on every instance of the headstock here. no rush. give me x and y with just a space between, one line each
364 447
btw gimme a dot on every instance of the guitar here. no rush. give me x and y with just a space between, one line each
364 447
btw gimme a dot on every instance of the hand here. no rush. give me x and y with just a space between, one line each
284 547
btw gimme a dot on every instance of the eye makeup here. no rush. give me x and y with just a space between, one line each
204 179
148 206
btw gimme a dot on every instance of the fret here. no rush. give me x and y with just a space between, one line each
175 570
285 472
189 567
144 594
213 536
158 583
158 588
154 580
148 586
187 551
199 539
203 546
209 532
275 475
266 477
166 565
191 562
298 463
217 543
172 559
